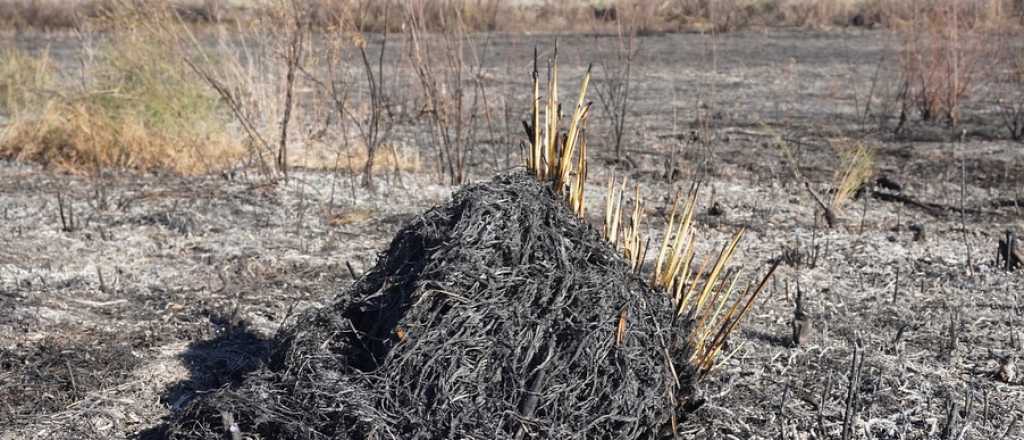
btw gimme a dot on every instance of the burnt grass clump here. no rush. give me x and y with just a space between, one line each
494 316
49 376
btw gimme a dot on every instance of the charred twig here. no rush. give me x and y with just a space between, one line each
103 284
829 214
67 215
351 271
802 325
825 394
853 392
1008 253
896 286
963 215
937 210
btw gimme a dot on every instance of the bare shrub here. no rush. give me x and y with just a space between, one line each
943 54
375 127
255 73
1010 104
613 85
449 69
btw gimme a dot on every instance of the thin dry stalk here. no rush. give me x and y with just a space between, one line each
293 59
632 238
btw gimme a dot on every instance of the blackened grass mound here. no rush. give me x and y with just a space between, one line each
498 315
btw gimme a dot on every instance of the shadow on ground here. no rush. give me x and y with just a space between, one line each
213 363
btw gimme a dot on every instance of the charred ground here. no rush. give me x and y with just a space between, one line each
106 323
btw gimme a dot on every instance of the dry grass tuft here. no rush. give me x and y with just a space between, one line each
702 296
701 293
141 109
856 166
84 137
551 151
52 15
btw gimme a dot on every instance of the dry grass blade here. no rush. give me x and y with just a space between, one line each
552 116
609 209
730 322
613 211
633 240
620 329
572 137
534 158
576 194
677 248
701 297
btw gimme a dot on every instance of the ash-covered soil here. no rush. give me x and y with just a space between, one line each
106 324
165 288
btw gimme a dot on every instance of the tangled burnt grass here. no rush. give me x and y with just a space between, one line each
493 316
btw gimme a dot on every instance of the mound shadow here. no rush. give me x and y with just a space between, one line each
221 362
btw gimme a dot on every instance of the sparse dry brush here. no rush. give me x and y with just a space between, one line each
52 15
448 66
614 84
138 109
945 48
254 73
501 15
1011 105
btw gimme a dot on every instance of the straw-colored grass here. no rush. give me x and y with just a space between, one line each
551 154
389 158
701 293
85 137
706 296
513 16
141 109
634 241
25 80
856 166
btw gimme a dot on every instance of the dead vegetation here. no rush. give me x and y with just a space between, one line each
496 15
139 109
945 49
398 318
900 321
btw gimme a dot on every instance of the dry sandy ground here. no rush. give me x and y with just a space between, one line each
166 287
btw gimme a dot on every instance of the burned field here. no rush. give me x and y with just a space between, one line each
158 306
